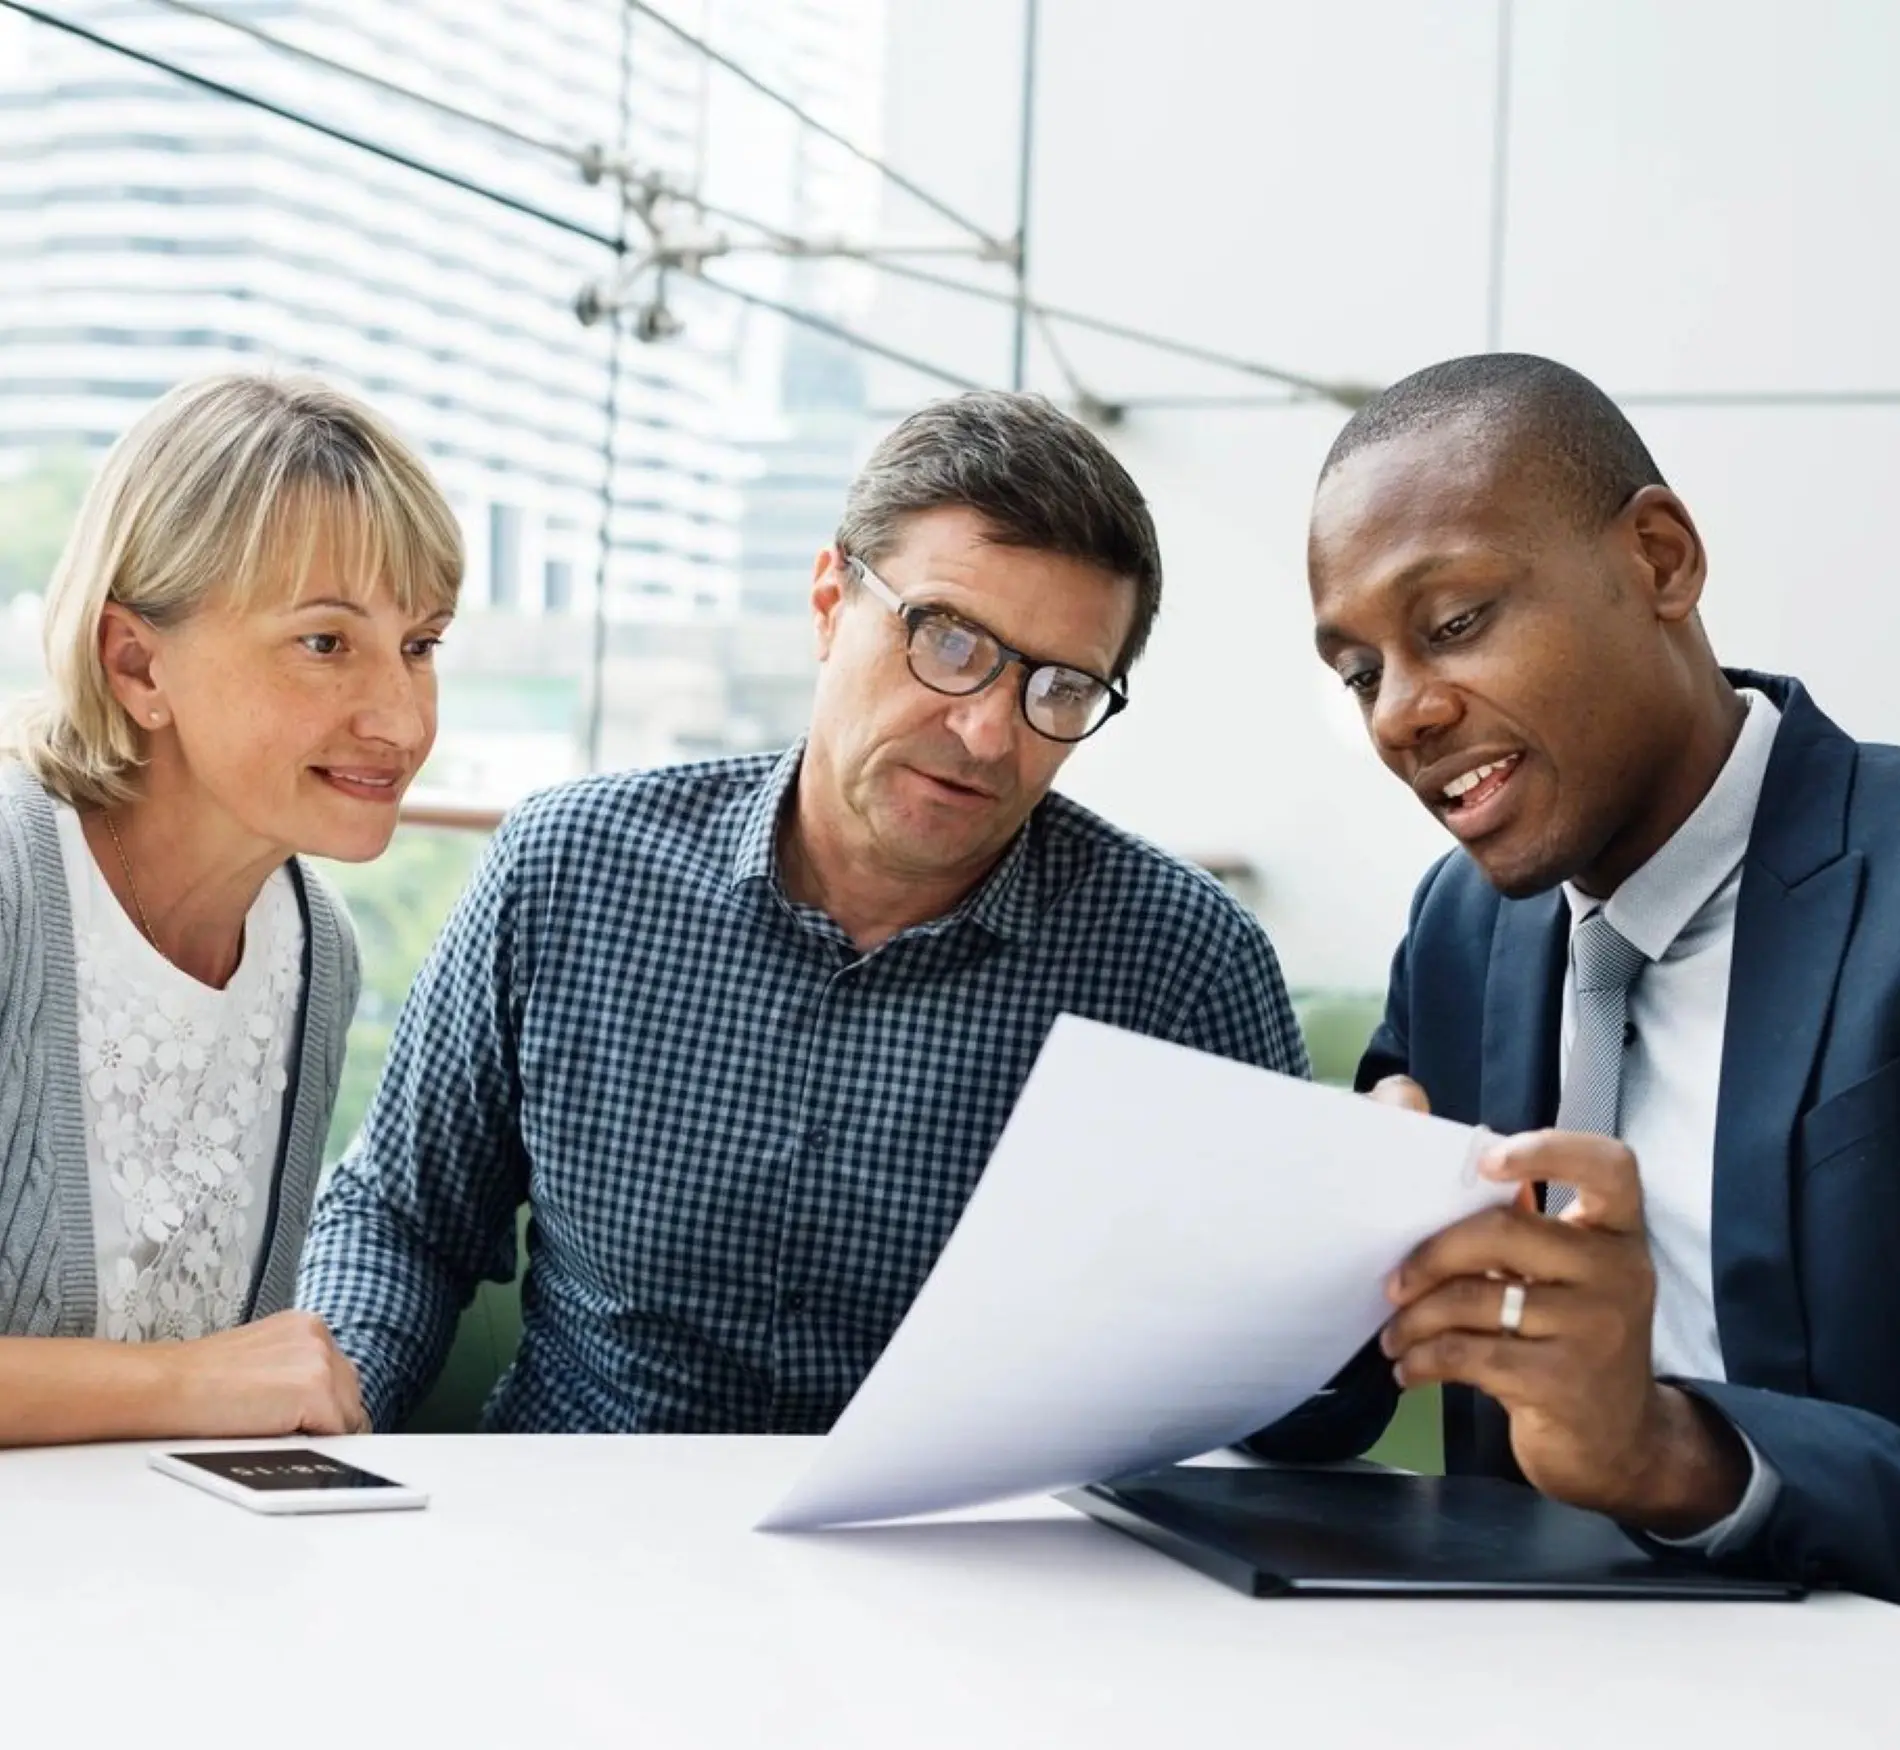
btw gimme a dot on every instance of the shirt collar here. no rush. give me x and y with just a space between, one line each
755 856
1004 904
1656 904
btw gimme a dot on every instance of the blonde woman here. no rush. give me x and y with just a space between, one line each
240 640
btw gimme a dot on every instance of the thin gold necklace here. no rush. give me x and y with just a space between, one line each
138 904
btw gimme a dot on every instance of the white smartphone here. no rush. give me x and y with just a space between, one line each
287 1479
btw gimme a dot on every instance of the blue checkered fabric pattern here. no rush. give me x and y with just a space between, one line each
743 1142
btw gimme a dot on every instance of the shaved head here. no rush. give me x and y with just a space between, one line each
1546 425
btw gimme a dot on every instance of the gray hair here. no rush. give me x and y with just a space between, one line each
1039 479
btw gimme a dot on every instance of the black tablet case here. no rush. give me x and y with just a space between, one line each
1354 1533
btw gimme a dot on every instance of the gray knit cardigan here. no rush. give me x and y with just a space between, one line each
48 1278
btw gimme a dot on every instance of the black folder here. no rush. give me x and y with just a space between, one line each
1368 1533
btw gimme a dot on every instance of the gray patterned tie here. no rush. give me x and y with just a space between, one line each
1607 963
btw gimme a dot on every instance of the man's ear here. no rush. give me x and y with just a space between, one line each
1669 552
830 579
128 651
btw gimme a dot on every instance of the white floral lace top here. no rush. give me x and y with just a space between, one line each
184 1104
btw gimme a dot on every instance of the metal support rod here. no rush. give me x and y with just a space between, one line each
1500 185
1025 170
610 436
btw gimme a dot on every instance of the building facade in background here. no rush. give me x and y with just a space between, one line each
154 231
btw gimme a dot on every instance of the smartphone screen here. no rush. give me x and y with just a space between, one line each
292 1468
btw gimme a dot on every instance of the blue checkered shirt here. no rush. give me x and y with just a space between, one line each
743 1143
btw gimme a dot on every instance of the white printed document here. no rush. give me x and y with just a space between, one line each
1166 1252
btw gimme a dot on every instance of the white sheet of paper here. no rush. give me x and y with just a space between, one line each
1167 1251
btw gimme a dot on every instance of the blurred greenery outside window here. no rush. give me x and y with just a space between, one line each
399 904
37 509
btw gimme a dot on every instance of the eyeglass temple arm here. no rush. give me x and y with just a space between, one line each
871 581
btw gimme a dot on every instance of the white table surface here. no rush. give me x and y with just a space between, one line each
593 1591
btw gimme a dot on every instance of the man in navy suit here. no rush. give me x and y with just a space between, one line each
1663 964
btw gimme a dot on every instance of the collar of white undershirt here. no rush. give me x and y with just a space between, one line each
1656 904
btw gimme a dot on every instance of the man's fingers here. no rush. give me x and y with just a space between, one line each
1504 1368
1500 1241
1477 1304
1609 1187
1401 1091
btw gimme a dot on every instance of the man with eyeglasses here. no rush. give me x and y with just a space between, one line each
742 1034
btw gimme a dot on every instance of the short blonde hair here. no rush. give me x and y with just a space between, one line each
226 487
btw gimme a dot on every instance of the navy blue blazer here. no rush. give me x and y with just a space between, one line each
1806 1220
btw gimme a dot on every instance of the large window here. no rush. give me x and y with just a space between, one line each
155 231
138 256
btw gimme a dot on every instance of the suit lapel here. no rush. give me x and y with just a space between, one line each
1523 1012
1799 896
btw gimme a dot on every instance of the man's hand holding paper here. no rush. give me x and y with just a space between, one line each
1552 1318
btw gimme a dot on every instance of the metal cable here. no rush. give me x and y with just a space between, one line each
837 331
1120 331
896 178
297 51
299 119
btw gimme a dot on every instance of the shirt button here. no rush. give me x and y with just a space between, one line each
795 1301
818 1136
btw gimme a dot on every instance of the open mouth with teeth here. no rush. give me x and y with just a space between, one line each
1471 790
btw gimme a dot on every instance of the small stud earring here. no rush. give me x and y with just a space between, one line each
158 716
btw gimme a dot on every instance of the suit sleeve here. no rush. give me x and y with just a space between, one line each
1835 1520
1389 1051
1353 1411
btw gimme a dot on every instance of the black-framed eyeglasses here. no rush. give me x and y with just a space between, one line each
955 656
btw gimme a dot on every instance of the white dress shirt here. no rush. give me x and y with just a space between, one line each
1679 909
